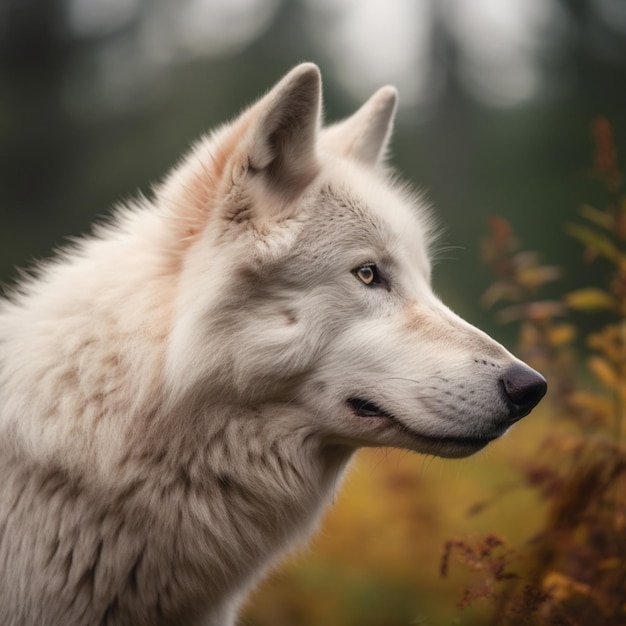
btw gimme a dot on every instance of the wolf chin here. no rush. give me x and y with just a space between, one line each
180 392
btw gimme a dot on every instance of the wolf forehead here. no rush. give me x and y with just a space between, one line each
368 217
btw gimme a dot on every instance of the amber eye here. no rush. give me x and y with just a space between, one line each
367 274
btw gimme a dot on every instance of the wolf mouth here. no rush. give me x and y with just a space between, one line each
362 407
365 408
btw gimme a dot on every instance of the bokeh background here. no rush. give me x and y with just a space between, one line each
98 98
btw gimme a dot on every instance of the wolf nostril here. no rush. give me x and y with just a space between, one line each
523 388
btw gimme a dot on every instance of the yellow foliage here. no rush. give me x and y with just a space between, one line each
562 587
609 341
603 371
598 405
597 243
536 275
612 563
528 336
561 334
590 299
499 291
597 217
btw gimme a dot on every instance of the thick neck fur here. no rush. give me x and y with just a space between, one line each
214 518
184 504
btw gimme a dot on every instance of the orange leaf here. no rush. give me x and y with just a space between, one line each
562 334
562 587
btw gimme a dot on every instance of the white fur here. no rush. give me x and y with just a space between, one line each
173 390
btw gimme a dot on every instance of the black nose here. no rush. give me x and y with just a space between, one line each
523 388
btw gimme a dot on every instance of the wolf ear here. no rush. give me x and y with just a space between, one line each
282 136
364 136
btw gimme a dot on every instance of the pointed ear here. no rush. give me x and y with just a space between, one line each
272 146
364 136
281 138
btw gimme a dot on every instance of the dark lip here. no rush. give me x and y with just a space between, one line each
364 408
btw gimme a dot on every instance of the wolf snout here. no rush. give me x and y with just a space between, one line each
523 388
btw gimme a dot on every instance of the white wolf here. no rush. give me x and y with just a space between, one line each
179 392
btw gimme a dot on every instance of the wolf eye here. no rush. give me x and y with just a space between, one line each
367 274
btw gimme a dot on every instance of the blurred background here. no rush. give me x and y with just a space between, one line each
98 98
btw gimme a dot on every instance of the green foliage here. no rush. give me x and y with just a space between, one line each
574 571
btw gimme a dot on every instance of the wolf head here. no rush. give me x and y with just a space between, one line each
304 282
